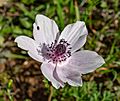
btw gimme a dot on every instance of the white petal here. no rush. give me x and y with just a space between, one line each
34 54
79 43
55 75
44 29
30 45
75 34
75 80
79 63
69 75
25 42
86 61
47 70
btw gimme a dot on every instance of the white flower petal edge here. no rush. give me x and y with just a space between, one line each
34 54
80 62
75 34
47 70
30 45
86 61
44 29
75 80
25 42
68 75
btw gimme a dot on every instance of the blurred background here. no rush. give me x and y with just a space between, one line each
20 76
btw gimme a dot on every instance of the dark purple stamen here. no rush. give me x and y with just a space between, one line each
60 49
56 52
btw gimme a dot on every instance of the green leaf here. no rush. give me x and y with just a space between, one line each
25 22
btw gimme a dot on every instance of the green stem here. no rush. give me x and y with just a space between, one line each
51 93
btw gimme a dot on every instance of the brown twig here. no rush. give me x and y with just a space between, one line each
51 93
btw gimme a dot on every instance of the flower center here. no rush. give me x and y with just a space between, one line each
60 49
56 52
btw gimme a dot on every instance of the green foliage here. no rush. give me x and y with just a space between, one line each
7 91
90 91
102 20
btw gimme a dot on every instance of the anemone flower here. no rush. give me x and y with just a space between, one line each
62 62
